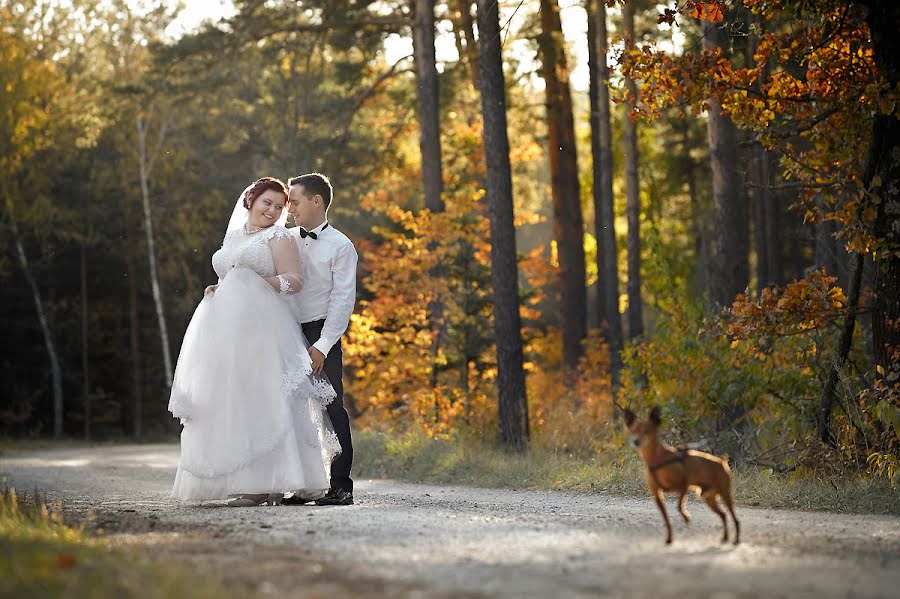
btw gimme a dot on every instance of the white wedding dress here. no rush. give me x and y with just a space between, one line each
254 416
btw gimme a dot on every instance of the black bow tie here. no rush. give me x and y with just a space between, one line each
304 233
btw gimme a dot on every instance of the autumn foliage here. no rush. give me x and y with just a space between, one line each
802 81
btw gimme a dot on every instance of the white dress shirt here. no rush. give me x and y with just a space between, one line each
329 282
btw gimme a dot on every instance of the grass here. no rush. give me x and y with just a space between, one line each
42 556
418 458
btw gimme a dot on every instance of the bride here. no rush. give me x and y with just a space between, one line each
254 416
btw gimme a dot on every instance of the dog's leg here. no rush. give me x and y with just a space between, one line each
710 498
729 503
684 512
661 503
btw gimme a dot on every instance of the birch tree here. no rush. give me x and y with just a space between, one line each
146 156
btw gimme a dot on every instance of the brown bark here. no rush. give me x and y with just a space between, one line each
731 271
568 222
770 213
826 402
765 230
884 22
429 110
765 224
698 231
85 365
604 214
134 325
632 190
466 28
430 148
512 399
826 246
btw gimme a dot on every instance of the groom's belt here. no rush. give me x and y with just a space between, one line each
313 322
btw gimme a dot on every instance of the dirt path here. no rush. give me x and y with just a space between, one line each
408 540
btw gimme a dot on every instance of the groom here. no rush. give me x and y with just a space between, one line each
323 307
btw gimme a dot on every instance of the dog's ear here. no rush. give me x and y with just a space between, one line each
654 416
629 416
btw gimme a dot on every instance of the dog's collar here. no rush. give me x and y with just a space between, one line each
677 457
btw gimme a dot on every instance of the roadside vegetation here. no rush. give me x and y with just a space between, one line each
617 470
43 556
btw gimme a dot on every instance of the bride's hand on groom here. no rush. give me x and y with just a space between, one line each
318 360
209 290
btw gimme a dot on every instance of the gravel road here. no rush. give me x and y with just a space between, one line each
408 540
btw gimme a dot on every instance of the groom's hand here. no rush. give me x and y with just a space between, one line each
318 360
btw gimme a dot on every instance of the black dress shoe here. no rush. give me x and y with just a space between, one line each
336 497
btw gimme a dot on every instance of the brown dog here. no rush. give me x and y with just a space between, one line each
677 470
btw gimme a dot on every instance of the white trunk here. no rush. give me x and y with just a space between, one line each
55 369
145 164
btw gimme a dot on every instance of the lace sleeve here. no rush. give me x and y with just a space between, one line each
286 257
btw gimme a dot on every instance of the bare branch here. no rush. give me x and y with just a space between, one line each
370 91
383 22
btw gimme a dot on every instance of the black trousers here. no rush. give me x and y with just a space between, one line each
334 370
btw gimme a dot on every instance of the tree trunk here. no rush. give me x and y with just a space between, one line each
134 325
513 403
137 404
470 56
826 246
766 240
884 22
85 372
145 164
772 238
886 296
765 233
429 111
697 228
731 271
828 393
568 222
604 213
430 148
632 190
55 370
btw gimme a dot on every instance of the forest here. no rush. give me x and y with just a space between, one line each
560 207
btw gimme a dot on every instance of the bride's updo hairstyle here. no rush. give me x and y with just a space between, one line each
260 186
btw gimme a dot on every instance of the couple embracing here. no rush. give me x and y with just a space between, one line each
258 385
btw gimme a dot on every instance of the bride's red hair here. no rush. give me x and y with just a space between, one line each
262 185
